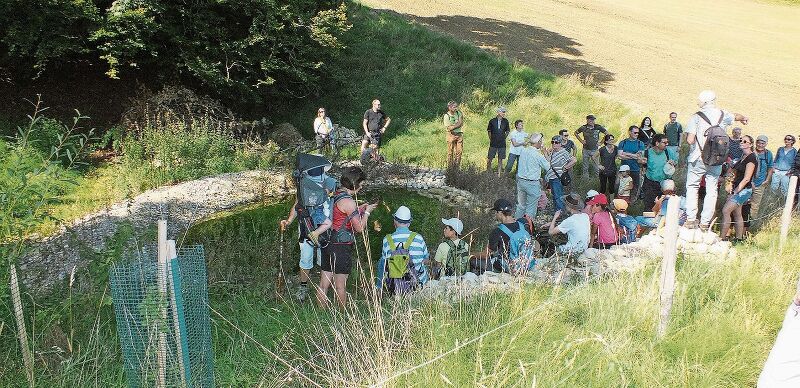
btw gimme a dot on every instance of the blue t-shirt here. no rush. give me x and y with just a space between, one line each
764 164
631 146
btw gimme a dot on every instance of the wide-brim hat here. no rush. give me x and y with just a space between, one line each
454 223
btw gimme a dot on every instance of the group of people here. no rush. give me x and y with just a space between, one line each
639 167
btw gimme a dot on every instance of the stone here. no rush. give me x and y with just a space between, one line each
591 253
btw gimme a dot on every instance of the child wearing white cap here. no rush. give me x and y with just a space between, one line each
625 183
452 255
414 246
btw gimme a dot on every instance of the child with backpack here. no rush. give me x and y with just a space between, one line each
452 256
401 268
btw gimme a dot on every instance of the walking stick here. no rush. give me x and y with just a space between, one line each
280 281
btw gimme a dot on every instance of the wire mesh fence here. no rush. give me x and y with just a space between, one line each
164 326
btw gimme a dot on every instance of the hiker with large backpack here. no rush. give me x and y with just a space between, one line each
347 219
312 209
708 141
452 255
404 256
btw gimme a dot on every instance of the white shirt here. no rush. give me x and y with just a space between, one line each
519 137
320 129
698 127
577 227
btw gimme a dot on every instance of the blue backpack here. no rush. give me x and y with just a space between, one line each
521 250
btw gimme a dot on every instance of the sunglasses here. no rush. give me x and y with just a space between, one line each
635 132
321 111
744 141
788 139
555 142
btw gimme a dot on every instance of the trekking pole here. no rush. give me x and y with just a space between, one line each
280 281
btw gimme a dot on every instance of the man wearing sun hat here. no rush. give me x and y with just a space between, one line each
762 176
452 255
589 135
417 249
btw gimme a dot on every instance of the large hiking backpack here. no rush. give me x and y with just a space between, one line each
313 188
401 275
715 150
521 250
457 261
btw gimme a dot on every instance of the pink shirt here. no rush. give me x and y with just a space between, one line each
605 228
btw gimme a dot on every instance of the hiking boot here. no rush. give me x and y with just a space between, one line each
302 293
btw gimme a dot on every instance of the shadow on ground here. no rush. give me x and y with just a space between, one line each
541 49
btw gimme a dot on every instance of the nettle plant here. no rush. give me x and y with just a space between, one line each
36 166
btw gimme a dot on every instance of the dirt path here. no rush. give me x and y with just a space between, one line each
654 56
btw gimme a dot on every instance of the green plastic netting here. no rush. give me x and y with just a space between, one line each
177 320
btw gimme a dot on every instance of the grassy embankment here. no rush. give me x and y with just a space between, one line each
599 334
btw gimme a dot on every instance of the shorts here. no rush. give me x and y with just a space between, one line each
741 197
499 151
337 258
374 138
307 255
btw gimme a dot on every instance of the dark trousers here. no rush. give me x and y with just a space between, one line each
607 183
635 189
650 191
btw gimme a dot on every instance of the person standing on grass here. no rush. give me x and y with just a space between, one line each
374 124
646 131
413 242
498 130
529 176
347 219
660 166
452 255
567 144
589 135
629 151
577 227
745 170
763 175
560 163
673 131
323 130
453 122
784 157
625 184
518 138
606 162
697 169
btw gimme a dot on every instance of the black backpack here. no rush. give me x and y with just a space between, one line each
715 150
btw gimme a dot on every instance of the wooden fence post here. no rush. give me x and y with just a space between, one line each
668 263
162 289
786 217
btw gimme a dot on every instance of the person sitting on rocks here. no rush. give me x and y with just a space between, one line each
588 209
604 231
452 255
403 242
627 224
659 209
577 227
499 242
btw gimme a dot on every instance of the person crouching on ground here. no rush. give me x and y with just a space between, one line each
627 223
625 183
404 256
742 190
604 232
347 219
452 255
659 209
577 227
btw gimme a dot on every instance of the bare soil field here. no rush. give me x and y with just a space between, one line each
654 56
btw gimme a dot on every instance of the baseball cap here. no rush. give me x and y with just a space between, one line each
454 223
502 205
668 184
501 109
591 193
557 139
620 204
707 96
763 138
598 199
402 214
624 167
590 117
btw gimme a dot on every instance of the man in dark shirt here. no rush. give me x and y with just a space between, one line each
567 144
589 135
498 130
374 124
499 242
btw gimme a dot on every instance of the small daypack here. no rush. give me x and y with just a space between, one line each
457 261
401 274
521 249
342 235
714 152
